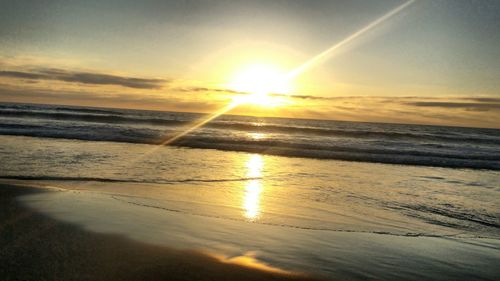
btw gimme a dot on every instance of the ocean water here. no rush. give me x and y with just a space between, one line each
412 203
366 142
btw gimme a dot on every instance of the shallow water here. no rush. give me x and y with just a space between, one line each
337 219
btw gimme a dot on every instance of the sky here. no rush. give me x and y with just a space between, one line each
433 62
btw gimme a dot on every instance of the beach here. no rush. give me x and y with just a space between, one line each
209 204
78 235
36 247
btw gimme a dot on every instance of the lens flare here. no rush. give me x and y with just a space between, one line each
321 57
260 90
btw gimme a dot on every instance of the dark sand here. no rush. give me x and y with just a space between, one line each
36 247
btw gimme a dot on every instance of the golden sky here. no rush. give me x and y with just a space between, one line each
425 63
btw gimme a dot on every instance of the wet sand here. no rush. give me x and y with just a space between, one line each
36 247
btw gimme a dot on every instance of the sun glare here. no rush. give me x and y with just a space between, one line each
253 188
258 82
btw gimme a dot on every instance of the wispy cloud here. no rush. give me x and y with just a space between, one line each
142 100
467 103
304 97
495 100
22 75
85 78
477 106
206 89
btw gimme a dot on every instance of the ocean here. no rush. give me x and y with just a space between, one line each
365 142
341 200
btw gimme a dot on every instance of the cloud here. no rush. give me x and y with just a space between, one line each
329 98
229 91
206 89
477 106
495 100
99 99
20 74
86 78
291 96
304 97
468 103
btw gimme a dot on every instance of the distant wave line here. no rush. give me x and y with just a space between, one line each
401 157
242 126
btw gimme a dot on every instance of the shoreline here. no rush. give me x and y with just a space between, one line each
36 247
81 234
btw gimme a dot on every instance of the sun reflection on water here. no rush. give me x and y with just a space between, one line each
253 188
257 136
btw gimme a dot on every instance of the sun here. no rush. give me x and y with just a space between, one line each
259 84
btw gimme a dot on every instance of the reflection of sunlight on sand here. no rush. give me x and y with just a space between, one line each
253 188
249 260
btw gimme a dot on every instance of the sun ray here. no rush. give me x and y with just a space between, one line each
193 127
328 52
315 60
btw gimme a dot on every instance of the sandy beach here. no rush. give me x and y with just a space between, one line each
36 247
64 231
